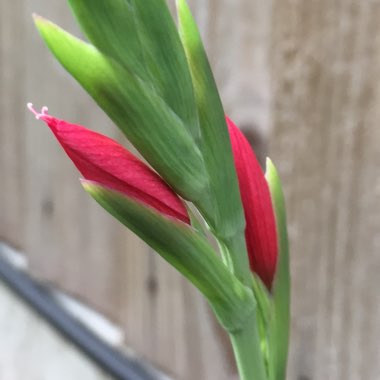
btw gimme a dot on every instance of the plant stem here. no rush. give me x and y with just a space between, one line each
247 350
235 254
246 341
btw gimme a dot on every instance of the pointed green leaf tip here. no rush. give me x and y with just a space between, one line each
142 37
215 146
139 111
279 338
188 251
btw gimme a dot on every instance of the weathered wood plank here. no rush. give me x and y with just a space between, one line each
325 141
12 170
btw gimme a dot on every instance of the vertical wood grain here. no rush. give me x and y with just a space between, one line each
12 75
325 142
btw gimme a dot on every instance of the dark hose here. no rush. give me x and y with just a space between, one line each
108 359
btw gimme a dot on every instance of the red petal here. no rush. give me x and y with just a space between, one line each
260 232
105 161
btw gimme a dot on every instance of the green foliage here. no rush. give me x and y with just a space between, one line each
142 37
184 248
279 329
215 146
157 86
139 111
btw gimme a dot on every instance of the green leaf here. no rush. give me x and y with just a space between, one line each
139 112
166 60
216 146
141 36
279 338
185 249
264 317
110 25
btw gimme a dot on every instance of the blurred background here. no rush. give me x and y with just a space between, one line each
302 79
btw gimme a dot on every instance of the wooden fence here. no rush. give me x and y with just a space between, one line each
303 77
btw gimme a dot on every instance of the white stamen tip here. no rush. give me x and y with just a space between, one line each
44 111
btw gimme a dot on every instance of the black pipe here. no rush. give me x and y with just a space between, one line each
38 297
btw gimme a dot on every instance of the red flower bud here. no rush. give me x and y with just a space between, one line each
103 160
260 231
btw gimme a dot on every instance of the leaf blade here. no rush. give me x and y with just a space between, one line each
165 55
142 37
216 146
111 27
185 249
141 114
279 335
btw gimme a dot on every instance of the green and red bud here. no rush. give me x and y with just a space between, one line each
104 161
162 136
